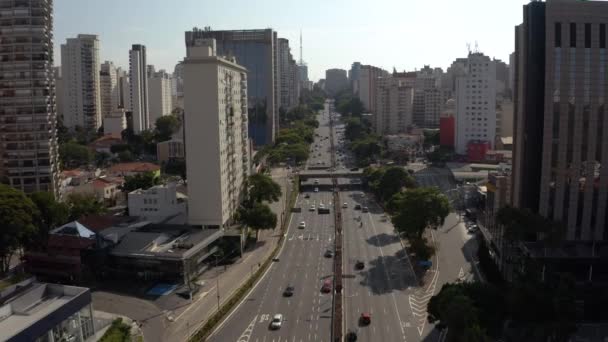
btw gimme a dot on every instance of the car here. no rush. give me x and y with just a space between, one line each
321 206
472 228
326 288
328 254
312 207
358 207
365 318
302 225
359 265
288 291
276 259
307 196
351 336
277 321
365 210
316 189
345 205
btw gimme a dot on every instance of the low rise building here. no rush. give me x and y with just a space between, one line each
134 168
157 203
105 190
170 150
33 311
115 122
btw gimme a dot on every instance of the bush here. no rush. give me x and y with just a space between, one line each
118 332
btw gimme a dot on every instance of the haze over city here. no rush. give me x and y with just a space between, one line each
386 33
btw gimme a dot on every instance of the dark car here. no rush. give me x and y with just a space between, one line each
351 336
359 265
307 196
328 253
365 319
288 291
358 207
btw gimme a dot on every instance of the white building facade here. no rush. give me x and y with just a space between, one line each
81 86
217 144
394 106
156 204
476 103
110 92
161 99
138 82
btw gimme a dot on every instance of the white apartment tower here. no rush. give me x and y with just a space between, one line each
160 86
138 82
217 144
124 89
110 91
476 103
81 86
28 135
393 113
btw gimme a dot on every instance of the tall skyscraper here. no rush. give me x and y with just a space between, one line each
289 84
366 84
110 91
393 113
124 89
138 82
81 86
28 136
217 148
256 50
476 103
161 101
335 81
354 74
560 116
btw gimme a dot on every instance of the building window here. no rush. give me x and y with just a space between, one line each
602 36
573 35
587 36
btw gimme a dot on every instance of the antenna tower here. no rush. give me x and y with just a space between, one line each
301 58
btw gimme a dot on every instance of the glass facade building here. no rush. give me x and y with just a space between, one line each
256 50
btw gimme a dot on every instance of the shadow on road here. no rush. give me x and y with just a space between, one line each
387 274
382 240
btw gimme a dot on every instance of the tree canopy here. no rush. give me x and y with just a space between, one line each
166 126
52 213
18 216
143 181
418 209
83 205
74 155
258 217
261 188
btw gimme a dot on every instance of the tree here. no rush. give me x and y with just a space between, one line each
166 126
356 107
258 217
83 205
101 159
392 181
355 129
18 215
52 213
143 181
75 155
418 209
125 156
176 167
261 187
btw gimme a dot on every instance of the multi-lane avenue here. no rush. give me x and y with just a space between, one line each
378 276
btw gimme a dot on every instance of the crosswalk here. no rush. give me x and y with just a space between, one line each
320 237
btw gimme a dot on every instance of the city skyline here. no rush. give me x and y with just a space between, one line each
354 33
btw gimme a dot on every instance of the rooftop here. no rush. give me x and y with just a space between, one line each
164 241
24 307
134 167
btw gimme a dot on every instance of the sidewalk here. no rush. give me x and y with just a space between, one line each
188 320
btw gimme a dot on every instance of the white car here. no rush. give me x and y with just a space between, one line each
316 181
302 225
321 206
312 207
316 189
277 321
345 205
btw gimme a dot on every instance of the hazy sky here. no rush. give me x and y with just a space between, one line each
405 34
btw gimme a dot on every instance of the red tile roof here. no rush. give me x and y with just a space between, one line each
106 141
134 167
72 173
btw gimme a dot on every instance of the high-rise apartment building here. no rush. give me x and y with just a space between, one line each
476 103
217 149
560 124
138 82
58 90
28 136
433 103
81 86
335 81
284 73
124 89
110 91
365 84
256 51
159 90
393 113
354 74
